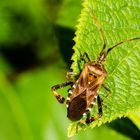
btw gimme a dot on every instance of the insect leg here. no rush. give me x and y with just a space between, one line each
71 75
59 98
99 28
120 43
90 119
99 102
79 66
85 57
107 89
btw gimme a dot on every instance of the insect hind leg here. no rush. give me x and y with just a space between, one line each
90 119
60 98
99 102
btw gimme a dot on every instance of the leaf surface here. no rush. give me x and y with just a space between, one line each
120 21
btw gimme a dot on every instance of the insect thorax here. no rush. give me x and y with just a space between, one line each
96 71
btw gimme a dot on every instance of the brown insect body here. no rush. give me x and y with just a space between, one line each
83 93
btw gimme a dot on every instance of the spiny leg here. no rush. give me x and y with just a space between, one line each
59 98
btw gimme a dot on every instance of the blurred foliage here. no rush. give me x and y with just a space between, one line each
35 51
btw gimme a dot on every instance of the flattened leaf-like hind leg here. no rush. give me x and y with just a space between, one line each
60 98
100 112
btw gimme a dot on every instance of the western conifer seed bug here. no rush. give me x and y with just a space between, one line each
84 90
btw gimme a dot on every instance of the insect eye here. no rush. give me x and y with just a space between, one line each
95 76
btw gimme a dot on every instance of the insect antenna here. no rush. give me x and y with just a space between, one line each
99 28
120 43
104 52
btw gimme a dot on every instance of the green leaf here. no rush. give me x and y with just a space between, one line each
101 133
120 21
135 117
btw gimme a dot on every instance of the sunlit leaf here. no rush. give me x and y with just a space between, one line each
119 21
135 117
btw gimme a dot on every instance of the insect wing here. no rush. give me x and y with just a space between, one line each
77 107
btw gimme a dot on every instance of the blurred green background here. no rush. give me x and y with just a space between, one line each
35 51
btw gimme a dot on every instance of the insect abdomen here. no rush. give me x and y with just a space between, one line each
77 106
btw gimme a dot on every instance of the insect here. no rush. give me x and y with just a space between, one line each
84 90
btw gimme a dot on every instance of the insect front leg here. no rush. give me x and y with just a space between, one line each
85 57
60 98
